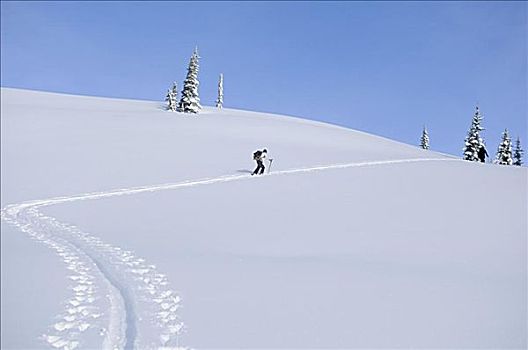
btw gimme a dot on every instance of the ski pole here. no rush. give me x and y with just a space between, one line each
269 168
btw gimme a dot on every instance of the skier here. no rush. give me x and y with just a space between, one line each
259 157
482 154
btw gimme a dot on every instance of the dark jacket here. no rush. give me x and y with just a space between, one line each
482 154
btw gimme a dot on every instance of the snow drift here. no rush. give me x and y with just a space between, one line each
125 225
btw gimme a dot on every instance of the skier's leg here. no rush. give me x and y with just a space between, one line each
257 170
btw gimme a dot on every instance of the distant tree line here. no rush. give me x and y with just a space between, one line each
475 148
190 100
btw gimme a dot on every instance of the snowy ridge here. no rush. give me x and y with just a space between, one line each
140 302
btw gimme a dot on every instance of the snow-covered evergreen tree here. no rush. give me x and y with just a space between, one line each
504 151
172 98
518 153
168 98
175 91
424 140
473 140
220 99
190 101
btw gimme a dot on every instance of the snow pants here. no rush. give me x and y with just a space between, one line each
260 168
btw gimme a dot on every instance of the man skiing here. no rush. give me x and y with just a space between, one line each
259 157
482 154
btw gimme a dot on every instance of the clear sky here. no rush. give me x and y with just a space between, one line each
386 68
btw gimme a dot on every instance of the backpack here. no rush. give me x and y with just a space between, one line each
256 155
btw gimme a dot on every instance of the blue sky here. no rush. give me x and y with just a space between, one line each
382 67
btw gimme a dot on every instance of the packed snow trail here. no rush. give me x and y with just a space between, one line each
143 309
13 208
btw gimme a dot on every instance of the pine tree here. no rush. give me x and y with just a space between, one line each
168 98
518 153
504 151
172 97
175 92
424 141
220 99
473 140
190 102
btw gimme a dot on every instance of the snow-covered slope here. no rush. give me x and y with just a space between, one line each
142 219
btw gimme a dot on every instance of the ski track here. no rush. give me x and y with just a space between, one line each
142 308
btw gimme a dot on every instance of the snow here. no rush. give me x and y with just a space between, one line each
352 241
